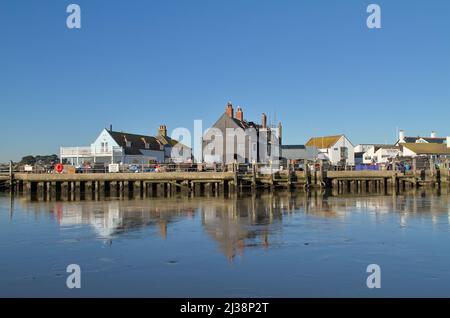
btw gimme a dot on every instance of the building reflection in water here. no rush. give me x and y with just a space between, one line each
236 224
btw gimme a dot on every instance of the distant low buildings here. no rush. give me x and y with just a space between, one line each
299 152
373 154
121 147
338 150
402 138
425 149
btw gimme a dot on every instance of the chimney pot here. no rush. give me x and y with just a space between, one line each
239 114
280 133
264 120
162 130
401 136
229 110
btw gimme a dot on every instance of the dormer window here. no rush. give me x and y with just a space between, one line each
146 144
127 142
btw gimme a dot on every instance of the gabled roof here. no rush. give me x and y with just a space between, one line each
323 142
378 147
138 142
166 140
427 139
236 123
427 149
240 123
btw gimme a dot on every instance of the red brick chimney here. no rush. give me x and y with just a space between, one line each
230 111
239 114
264 120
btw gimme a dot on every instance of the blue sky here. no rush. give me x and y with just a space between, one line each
137 64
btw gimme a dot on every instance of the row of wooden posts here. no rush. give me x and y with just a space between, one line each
78 189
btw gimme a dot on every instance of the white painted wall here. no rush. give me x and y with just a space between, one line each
107 140
363 147
384 154
104 137
369 155
408 153
334 153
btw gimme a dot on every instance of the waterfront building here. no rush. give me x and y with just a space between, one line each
374 154
246 147
433 139
299 152
433 150
120 147
338 150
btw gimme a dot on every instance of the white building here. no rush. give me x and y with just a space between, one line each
119 147
298 152
377 153
426 149
336 149
402 138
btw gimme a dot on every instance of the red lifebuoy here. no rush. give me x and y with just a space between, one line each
59 168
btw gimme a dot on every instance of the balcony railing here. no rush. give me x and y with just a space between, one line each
89 152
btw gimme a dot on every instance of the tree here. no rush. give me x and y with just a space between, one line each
28 160
39 159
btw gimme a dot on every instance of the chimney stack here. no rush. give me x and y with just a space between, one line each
433 134
401 136
280 133
239 114
162 130
448 142
264 120
230 111
110 127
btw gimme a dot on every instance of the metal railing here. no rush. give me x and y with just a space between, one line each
151 168
90 152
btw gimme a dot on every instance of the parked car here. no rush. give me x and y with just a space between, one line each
134 168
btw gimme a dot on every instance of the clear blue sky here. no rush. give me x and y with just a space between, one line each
137 64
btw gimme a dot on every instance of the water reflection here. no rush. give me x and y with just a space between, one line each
236 223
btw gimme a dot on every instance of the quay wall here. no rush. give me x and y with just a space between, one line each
161 176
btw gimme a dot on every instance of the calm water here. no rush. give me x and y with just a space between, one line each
283 245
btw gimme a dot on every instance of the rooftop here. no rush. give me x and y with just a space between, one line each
323 142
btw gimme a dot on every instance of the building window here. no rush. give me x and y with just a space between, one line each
104 147
128 143
344 152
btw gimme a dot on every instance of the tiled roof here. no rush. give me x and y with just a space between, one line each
323 142
427 149
138 142
378 147
427 139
